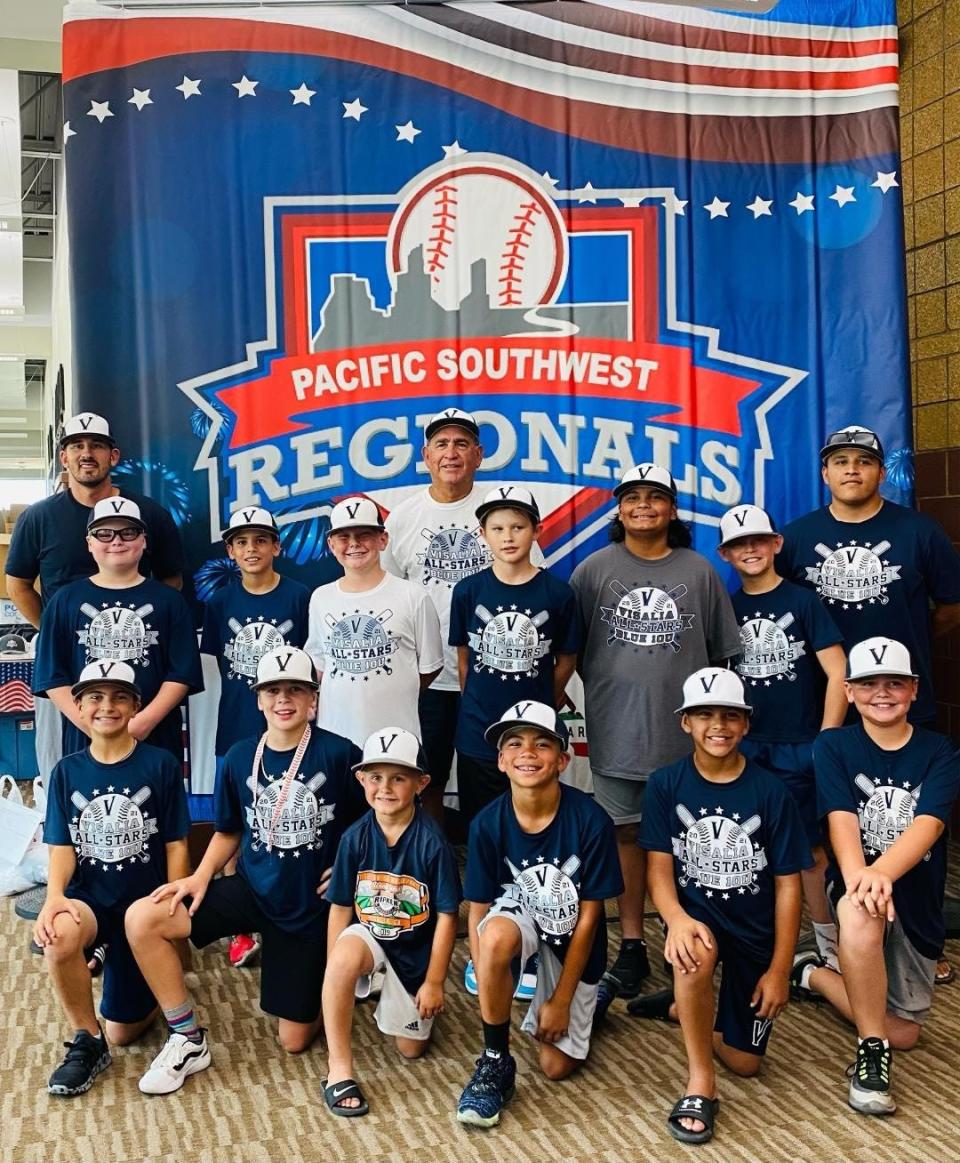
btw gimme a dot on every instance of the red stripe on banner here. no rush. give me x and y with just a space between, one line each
15 697
561 522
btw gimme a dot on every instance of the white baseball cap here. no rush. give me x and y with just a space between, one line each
355 513
876 656
455 417
650 474
853 436
251 518
86 424
745 521
509 497
285 664
393 745
528 713
713 686
94 673
115 509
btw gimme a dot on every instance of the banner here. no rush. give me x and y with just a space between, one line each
613 231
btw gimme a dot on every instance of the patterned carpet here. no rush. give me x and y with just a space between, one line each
256 1103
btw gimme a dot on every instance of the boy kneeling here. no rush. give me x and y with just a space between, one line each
541 861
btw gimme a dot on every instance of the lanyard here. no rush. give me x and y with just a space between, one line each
288 777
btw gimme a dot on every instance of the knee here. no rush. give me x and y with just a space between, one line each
411 1048
499 941
903 1035
295 1037
555 1065
738 1062
349 960
68 942
142 920
860 932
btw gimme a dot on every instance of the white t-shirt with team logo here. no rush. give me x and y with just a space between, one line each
371 649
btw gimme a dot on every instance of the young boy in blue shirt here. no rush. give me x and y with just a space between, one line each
541 861
793 665
886 789
397 874
725 849
116 825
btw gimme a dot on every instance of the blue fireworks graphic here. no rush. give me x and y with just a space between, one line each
306 540
157 481
899 466
213 575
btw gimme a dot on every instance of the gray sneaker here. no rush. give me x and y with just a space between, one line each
870 1079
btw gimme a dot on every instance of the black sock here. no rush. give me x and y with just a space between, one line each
496 1038
632 944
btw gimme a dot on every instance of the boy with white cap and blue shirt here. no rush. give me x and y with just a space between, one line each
374 638
725 848
793 667
885 789
396 874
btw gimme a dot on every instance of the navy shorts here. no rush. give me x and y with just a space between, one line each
291 964
792 763
479 782
126 996
736 1021
438 726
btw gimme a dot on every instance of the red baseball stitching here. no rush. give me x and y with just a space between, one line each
444 223
518 241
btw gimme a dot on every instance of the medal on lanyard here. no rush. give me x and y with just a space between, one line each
288 777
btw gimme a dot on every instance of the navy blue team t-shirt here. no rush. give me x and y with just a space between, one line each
238 629
728 842
781 632
50 542
886 791
148 625
118 817
549 872
878 577
286 847
514 634
396 893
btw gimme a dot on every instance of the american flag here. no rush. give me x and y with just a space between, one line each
15 694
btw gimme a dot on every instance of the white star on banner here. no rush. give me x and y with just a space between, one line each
188 87
100 110
454 149
407 132
353 109
802 203
302 95
885 182
549 179
760 207
245 87
716 208
680 206
586 195
68 132
140 98
842 195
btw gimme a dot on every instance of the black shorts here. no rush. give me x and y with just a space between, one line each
126 996
479 782
736 1021
438 726
291 965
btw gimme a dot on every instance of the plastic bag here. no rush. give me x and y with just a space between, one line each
23 855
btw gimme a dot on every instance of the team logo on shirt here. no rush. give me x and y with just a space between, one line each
359 645
250 642
646 616
509 641
111 827
452 554
390 905
295 822
853 574
548 893
885 812
118 633
717 852
768 650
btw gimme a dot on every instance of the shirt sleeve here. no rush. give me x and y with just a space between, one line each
834 793
354 802
789 850
723 637
175 817
315 643
823 630
941 566
447 891
941 783
459 614
388 557
23 554
600 876
482 881
227 809
569 635
51 666
343 881
655 833
209 636
785 561
183 657
301 618
55 827
163 543
429 638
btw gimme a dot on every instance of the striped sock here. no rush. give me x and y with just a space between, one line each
182 1020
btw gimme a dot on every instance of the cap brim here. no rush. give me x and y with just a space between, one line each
472 429
312 683
828 449
881 672
740 536
496 731
78 688
490 506
229 534
714 703
117 517
661 488
388 759
65 440
357 525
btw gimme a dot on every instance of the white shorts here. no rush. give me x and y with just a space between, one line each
396 1014
576 1042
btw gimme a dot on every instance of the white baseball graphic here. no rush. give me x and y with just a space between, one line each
112 827
885 813
118 633
853 573
646 616
717 852
767 651
478 209
549 894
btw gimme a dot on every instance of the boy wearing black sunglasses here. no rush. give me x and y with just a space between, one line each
119 615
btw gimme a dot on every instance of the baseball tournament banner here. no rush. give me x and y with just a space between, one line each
613 231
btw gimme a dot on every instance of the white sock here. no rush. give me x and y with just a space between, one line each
826 935
885 1041
805 976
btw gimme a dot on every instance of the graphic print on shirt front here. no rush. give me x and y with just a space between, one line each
646 616
769 651
118 633
250 642
717 852
389 904
452 554
548 893
293 824
111 827
358 644
509 641
853 575
885 813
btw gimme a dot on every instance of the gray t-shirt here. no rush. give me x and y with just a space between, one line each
648 626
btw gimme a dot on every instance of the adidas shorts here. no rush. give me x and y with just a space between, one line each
396 1014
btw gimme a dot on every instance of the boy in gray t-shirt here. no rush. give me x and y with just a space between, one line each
653 612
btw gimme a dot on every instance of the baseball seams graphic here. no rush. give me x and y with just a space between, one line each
117 633
852 574
359 645
250 642
717 852
112 827
473 214
452 554
768 650
646 616
389 904
548 894
885 813
298 822
509 642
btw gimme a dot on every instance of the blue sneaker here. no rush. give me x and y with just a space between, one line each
470 979
527 985
489 1090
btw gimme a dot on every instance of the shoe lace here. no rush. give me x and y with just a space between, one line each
486 1077
170 1052
82 1050
873 1065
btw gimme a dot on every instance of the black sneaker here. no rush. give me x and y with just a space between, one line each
630 968
86 1057
605 996
870 1079
801 960
492 1086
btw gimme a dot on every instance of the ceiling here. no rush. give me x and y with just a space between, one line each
33 20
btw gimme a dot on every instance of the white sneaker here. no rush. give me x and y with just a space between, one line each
179 1057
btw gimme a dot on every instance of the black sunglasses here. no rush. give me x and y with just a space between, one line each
127 533
861 439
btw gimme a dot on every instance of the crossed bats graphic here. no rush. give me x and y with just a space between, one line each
748 827
93 612
139 798
237 627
